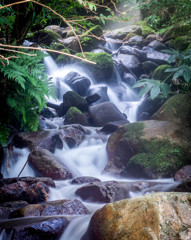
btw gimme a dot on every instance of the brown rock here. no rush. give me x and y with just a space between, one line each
161 216
45 163
183 174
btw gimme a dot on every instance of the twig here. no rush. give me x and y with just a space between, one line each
9 50
23 167
47 50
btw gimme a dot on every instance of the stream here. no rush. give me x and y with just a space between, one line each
90 157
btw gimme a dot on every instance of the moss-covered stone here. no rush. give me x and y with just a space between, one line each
176 109
128 36
104 65
157 158
146 30
88 42
59 58
160 74
182 42
72 99
178 30
75 116
45 37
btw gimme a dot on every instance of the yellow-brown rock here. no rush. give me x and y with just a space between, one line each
161 216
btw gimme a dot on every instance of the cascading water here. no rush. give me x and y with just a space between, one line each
89 158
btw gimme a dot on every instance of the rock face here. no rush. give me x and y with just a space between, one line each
148 149
49 140
160 216
32 190
47 165
105 112
176 109
183 174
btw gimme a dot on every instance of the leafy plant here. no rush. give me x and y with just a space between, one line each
26 86
152 86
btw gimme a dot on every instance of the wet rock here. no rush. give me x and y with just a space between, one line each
92 98
176 109
141 55
183 186
71 43
75 116
103 192
45 36
58 207
105 112
46 164
37 228
55 28
136 41
73 135
157 45
20 190
101 92
48 113
131 63
47 124
148 149
149 106
183 174
81 180
77 82
149 67
49 140
155 216
120 33
156 56
111 127
129 78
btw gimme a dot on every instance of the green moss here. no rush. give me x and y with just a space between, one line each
96 30
159 156
75 116
54 36
180 30
129 35
134 130
146 30
189 47
182 42
160 74
72 99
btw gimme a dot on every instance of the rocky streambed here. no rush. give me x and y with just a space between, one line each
91 157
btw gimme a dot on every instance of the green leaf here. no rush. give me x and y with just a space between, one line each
155 91
165 89
144 90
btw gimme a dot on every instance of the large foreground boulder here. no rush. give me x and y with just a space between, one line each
148 149
161 216
47 165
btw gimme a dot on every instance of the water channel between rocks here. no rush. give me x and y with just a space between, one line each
90 157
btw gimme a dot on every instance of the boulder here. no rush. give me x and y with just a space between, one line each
141 55
71 43
102 192
58 207
45 36
8 207
129 78
27 189
77 82
176 109
48 112
75 116
157 45
48 139
146 30
104 67
37 228
111 127
105 112
156 56
120 33
136 41
55 28
148 149
47 165
130 63
182 42
93 98
158 216
149 67
81 180
183 174
101 93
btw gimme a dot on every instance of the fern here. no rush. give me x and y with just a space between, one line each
27 89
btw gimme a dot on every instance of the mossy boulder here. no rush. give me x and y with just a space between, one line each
146 30
75 116
88 41
45 37
176 109
59 58
103 69
178 30
160 74
128 36
148 149
159 216
181 43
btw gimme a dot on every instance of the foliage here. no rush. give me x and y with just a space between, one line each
26 88
166 13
